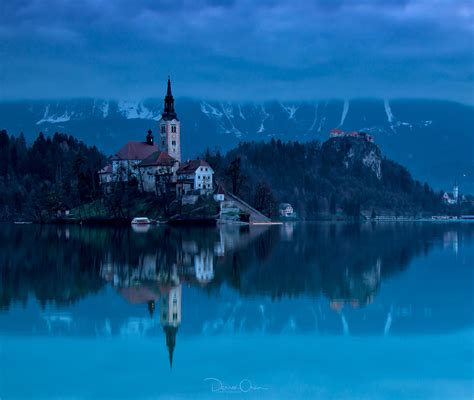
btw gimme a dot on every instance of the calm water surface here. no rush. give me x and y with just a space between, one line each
324 311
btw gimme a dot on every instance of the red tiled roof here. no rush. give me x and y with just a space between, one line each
135 151
106 170
190 167
220 189
158 158
138 295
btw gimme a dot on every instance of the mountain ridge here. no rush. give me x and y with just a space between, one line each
433 138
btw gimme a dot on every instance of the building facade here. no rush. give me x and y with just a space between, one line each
158 172
156 166
170 127
194 176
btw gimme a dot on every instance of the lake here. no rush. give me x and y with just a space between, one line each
297 311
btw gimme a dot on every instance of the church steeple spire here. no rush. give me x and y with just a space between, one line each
168 112
169 127
168 93
170 332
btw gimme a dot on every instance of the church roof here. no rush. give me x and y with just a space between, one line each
220 189
190 167
158 158
168 112
139 294
135 151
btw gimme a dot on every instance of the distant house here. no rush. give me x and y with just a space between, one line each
338 133
157 171
194 176
452 198
61 210
286 210
219 194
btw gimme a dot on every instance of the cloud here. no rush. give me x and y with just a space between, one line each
238 48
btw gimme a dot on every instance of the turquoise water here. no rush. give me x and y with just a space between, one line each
326 311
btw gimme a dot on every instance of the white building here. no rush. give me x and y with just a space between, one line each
194 176
219 195
125 163
204 266
452 198
286 210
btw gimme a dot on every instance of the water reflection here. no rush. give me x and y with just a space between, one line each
283 273
114 299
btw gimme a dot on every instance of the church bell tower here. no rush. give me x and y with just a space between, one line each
169 127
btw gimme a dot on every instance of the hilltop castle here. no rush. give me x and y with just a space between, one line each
158 167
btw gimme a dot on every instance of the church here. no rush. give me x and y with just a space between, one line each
157 166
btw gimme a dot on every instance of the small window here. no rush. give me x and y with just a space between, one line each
163 142
173 128
163 129
175 316
206 169
173 142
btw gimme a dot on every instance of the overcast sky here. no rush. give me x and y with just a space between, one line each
237 49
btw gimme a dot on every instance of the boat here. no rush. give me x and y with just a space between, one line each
141 221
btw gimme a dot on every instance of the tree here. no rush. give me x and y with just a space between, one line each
374 215
332 204
234 172
264 200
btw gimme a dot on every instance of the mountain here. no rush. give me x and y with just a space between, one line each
433 139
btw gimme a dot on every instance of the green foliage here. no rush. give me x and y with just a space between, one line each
53 172
316 181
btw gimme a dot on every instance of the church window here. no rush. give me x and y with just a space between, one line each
163 129
173 128
163 142
175 316
173 142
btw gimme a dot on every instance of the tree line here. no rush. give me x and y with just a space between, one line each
315 182
52 173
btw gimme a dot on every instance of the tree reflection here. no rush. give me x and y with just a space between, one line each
344 262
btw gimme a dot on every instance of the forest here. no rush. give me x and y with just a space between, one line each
54 172
60 172
313 178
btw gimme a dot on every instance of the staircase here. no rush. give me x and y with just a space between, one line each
256 217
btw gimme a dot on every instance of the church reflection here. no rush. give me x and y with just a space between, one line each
159 276
339 266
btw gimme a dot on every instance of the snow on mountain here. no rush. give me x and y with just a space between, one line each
291 110
136 110
345 110
105 109
54 118
388 111
207 109
432 138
